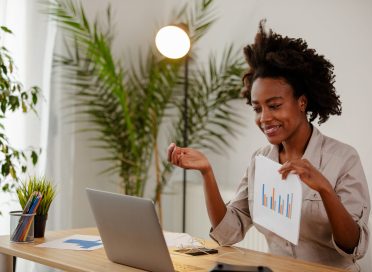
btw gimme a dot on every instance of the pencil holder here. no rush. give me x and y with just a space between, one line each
21 227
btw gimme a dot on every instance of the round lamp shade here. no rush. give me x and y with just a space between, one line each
172 42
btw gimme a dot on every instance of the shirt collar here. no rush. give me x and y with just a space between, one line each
312 152
313 149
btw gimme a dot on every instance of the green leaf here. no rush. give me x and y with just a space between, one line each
5 29
12 172
24 107
4 69
34 98
3 106
34 157
5 169
5 188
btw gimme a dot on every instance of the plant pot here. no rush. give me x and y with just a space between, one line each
39 225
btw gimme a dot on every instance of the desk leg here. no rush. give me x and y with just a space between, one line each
6 263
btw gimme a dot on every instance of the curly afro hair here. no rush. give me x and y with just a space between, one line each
309 74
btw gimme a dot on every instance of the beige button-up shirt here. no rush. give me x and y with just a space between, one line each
341 165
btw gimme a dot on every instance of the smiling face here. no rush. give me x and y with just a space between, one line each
279 115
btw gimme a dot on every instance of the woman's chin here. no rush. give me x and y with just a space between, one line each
274 140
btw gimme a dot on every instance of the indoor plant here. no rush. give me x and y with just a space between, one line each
13 98
128 106
48 191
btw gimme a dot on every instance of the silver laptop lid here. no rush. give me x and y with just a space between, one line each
130 231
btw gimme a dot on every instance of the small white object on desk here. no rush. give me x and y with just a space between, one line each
180 240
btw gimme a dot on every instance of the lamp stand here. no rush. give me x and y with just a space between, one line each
185 138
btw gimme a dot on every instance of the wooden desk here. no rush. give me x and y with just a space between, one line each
96 260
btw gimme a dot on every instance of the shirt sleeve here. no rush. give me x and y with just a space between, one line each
352 189
237 219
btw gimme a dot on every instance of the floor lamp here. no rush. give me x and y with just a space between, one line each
173 42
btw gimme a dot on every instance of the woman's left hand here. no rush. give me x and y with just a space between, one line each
307 173
346 231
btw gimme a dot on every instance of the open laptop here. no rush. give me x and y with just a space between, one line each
130 231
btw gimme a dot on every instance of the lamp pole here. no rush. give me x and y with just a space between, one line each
173 42
185 137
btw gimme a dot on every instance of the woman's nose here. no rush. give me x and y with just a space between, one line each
265 115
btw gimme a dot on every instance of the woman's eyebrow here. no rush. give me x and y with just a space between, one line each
268 100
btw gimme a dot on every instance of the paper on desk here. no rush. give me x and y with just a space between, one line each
75 242
180 240
277 203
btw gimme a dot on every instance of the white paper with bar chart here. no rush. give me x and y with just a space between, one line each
277 203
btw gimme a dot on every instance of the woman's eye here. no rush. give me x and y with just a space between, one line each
274 106
256 110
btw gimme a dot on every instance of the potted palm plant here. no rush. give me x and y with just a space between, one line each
48 191
127 106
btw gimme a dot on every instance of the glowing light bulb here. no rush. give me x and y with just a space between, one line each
173 42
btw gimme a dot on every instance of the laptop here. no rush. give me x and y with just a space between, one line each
130 231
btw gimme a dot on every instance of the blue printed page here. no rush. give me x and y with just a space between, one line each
75 242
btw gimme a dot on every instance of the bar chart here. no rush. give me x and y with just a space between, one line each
281 204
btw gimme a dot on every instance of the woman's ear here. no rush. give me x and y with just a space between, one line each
302 101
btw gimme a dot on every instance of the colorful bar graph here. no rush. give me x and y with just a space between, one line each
278 203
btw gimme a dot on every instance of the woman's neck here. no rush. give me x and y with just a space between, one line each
295 147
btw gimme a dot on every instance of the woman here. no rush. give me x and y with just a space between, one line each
289 86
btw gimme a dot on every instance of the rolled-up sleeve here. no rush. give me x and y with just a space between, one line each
237 219
352 189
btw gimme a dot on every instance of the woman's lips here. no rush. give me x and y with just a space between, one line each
270 130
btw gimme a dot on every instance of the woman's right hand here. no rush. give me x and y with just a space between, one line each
188 158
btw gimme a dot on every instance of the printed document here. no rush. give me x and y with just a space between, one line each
277 203
75 242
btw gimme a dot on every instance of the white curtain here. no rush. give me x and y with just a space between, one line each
32 46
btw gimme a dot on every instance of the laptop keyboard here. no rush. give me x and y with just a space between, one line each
186 268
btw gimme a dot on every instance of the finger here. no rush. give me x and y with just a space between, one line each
177 155
285 174
297 168
170 151
174 155
285 167
288 165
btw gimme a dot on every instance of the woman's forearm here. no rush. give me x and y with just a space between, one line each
215 206
345 230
